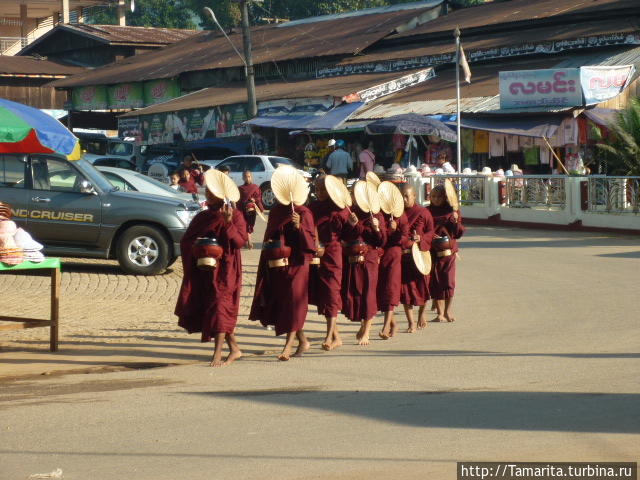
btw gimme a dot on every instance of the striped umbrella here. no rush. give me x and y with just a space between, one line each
25 129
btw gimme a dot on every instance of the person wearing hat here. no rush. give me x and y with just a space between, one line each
282 285
339 162
390 271
326 279
250 199
415 285
360 273
208 301
447 227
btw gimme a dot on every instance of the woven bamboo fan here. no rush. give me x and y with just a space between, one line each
335 189
452 195
373 178
221 185
391 200
289 186
367 197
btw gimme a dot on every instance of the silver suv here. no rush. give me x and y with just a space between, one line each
73 210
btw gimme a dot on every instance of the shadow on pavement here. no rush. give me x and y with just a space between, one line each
526 411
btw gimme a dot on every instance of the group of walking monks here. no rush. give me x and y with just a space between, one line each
342 260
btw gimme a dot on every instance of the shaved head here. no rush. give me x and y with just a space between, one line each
409 195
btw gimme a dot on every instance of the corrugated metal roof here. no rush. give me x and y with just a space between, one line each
499 40
210 50
127 35
491 14
11 65
237 92
627 56
427 107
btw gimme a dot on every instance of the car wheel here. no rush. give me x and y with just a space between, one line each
142 250
268 197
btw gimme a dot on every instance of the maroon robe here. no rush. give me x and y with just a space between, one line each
281 295
390 271
248 192
360 280
325 280
443 274
208 301
189 186
415 285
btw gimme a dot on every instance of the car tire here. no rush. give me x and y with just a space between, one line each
142 250
268 197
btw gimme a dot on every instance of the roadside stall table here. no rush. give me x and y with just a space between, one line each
53 265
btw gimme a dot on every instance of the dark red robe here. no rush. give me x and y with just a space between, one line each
325 280
360 280
415 285
281 294
443 274
208 301
390 271
250 194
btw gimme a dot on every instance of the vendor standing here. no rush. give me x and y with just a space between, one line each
340 162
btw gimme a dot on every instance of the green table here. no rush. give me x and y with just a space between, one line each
52 264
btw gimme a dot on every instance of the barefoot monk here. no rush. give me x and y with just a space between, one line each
209 299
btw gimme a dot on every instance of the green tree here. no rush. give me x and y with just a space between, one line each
149 13
623 153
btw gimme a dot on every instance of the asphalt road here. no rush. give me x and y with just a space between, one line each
542 365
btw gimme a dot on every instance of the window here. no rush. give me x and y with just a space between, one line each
120 148
12 171
119 182
275 161
55 175
253 164
234 164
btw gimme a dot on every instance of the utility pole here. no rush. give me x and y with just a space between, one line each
250 74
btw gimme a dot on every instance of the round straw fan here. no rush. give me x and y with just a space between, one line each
391 200
336 191
367 197
289 186
347 195
221 185
421 259
452 195
373 178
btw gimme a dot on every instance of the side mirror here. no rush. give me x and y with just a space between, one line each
86 187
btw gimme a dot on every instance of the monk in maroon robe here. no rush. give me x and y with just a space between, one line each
281 294
360 273
250 199
326 278
415 285
208 301
390 271
447 223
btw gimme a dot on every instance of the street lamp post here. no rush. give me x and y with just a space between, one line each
246 59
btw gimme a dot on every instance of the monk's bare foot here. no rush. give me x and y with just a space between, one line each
337 342
440 319
383 335
422 323
232 357
327 345
216 361
393 330
364 340
450 318
360 333
412 327
285 355
303 347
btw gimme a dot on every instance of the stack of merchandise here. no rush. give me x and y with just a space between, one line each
16 245
31 248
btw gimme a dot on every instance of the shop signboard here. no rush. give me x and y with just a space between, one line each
130 128
557 87
296 107
195 124
387 88
230 119
93 97
162 90
125 96
600 84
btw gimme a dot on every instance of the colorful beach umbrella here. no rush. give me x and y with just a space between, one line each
25 129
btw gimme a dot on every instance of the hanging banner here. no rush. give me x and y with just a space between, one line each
373 93
125 96
297 106
557 87
158 91
600 84
93 97
130 128
230 119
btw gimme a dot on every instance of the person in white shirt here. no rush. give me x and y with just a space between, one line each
444 164
339 162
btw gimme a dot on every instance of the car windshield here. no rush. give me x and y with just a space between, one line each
155 183
116 148
96 178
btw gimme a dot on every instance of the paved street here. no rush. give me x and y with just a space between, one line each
542 365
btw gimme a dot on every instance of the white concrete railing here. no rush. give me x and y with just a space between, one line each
590 201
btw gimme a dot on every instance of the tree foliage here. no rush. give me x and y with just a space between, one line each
149 13
623 152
